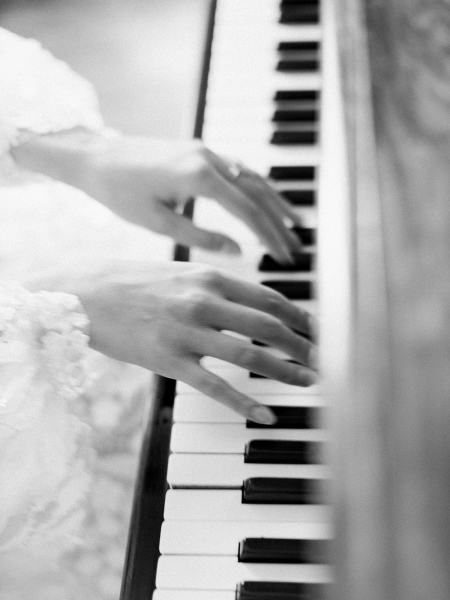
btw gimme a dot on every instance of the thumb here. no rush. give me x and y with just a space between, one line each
183 231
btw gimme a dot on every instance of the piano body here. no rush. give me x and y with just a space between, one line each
342 104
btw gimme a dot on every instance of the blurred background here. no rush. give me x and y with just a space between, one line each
142 55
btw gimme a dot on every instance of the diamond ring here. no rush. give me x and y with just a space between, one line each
234 170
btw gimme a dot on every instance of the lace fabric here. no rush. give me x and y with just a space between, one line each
40 94
70 419
47 451
44 475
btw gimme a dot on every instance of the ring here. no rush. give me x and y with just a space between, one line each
234 169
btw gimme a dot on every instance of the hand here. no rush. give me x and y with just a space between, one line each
145 180
167 316
148 181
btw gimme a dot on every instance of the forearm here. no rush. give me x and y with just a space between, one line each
67 156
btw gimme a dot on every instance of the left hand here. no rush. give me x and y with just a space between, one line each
147 182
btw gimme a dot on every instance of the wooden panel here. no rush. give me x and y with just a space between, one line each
392 431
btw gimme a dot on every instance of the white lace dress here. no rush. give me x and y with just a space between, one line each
70 419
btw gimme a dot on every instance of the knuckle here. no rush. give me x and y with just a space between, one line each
209 279
200 168
248 356
197 305
275 303
272 328
213 388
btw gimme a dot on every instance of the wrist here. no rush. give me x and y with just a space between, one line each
67 156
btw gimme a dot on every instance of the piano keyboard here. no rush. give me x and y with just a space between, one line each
244 518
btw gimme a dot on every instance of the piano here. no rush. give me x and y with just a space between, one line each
228 510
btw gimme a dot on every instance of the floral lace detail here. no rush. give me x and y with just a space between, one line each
44 447
40 94
45 330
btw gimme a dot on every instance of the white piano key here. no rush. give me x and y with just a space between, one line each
274 33
257 115
266 96
258 137
241 379
261 88
226 438
253 146
226 505
222 537
295 184
223 573
229 470
261 23
264 109
193 595
262 157
265 59
197 408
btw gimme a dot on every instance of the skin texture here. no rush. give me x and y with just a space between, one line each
147 182
167 316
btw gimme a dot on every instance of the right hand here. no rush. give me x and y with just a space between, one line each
148 181
167 316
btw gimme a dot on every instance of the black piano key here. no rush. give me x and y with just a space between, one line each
303 262
298 65
287 116
283 452
281 173
298 46
280 590
273 550
283 95
283 490
292 417
294 290
299 197
283 138
306 235
308 13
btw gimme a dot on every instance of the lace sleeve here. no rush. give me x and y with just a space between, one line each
40 94
43 473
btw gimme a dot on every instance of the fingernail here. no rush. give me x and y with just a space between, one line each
309 378
296 243
230 247
286 259
262 414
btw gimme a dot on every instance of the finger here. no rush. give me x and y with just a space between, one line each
259 191
281 204
251 357
269 301
273 229
257 325
234 200
264 198
183 231
217 388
